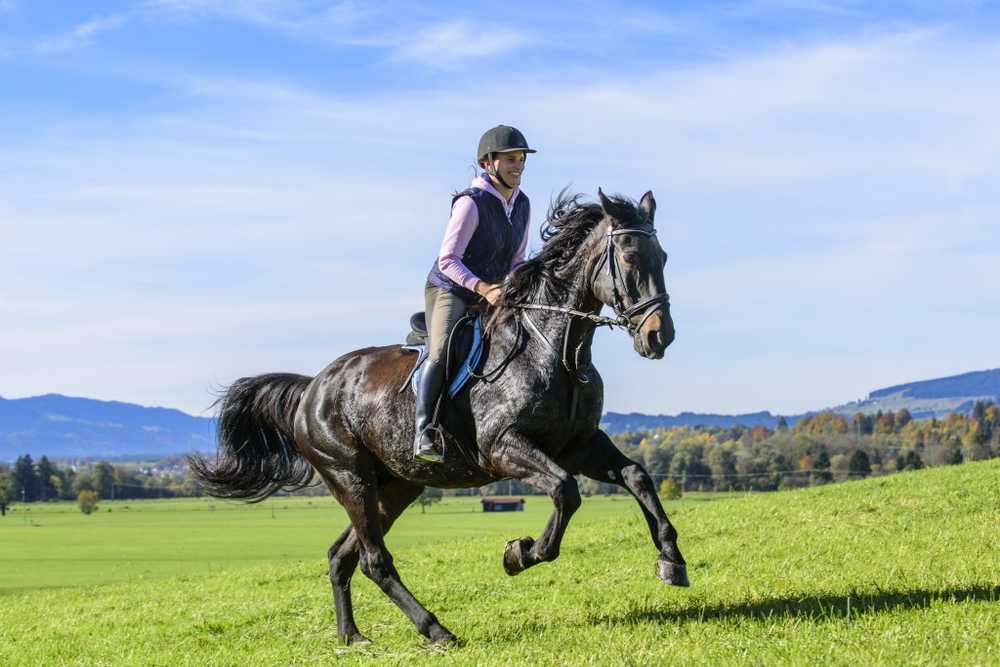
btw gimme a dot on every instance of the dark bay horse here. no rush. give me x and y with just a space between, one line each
532 414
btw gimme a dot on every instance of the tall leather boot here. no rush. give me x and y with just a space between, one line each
424 448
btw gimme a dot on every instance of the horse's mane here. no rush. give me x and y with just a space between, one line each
567 225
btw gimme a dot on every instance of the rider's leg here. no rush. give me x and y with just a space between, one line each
442 310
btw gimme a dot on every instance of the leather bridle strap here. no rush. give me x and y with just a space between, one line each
646 306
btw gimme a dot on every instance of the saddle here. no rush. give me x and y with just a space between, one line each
463 351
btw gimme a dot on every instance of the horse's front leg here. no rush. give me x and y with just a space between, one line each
600 460
517 457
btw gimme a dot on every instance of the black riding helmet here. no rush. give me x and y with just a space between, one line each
501 139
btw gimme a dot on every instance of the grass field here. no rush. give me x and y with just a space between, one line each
55 545
896 570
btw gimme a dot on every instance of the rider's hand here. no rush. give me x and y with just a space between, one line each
488 291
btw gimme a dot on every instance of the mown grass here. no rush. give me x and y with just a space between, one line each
897 570
54 545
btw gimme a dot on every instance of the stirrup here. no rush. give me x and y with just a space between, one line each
426 449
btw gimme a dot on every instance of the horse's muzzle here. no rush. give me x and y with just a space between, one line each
655 335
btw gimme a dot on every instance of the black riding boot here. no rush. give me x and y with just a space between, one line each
428 392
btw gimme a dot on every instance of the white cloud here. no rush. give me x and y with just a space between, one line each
82 34
447 44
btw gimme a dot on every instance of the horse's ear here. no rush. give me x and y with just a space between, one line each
611 209
648 204
606 204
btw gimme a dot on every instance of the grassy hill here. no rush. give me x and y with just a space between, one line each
894 570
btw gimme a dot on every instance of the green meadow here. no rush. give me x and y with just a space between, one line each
894 570
55 545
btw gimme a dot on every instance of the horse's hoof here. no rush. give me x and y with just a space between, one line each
513 555
443 638
672 573
357 639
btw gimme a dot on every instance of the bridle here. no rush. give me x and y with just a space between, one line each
623 314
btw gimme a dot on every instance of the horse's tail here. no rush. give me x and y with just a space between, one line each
256 454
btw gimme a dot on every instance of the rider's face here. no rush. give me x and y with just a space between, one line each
510 166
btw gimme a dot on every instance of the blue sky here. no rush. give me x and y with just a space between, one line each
196 190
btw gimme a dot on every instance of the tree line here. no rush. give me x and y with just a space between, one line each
28 481
818 449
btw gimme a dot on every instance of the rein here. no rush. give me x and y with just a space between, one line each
623 315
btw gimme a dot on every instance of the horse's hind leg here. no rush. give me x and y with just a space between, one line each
394 497
359 496
599 459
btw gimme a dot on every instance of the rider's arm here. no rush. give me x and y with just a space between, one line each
461 227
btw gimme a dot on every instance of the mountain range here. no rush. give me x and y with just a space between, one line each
64 427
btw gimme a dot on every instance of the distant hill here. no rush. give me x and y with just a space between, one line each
66 427
924 399
932 398
615 422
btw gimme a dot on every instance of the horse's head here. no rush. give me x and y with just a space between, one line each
628 275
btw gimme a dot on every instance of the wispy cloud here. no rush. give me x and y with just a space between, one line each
82 34
446 44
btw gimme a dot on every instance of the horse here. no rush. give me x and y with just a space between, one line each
534 416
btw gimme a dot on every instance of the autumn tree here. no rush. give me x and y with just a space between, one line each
87 500
670 490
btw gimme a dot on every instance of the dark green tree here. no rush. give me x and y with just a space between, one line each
104 480
26 486
955 456
822 465
46 471
859 466
910 461
6 490
429 496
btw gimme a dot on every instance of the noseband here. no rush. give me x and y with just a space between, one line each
646 306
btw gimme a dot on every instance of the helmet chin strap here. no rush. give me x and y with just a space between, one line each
492 171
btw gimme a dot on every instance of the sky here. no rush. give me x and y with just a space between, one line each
193 191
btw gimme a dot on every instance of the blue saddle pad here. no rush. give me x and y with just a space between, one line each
464 372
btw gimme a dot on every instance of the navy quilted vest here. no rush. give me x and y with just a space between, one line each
492 246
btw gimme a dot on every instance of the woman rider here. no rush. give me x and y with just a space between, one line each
486 238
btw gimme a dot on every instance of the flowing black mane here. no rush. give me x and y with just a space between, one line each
568 223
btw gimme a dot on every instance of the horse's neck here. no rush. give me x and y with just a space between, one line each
555 326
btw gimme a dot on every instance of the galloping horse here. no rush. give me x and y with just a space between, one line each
532 415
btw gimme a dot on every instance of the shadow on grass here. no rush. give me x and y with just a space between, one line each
826 607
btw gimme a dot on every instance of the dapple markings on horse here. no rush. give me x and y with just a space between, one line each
535 420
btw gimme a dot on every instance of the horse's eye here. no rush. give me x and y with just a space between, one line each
631 257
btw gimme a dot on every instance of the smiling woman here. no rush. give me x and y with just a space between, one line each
486 238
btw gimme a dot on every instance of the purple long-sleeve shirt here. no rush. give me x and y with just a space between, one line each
462 225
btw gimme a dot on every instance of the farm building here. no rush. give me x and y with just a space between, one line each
503 504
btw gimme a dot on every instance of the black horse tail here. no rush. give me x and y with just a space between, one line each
256 454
